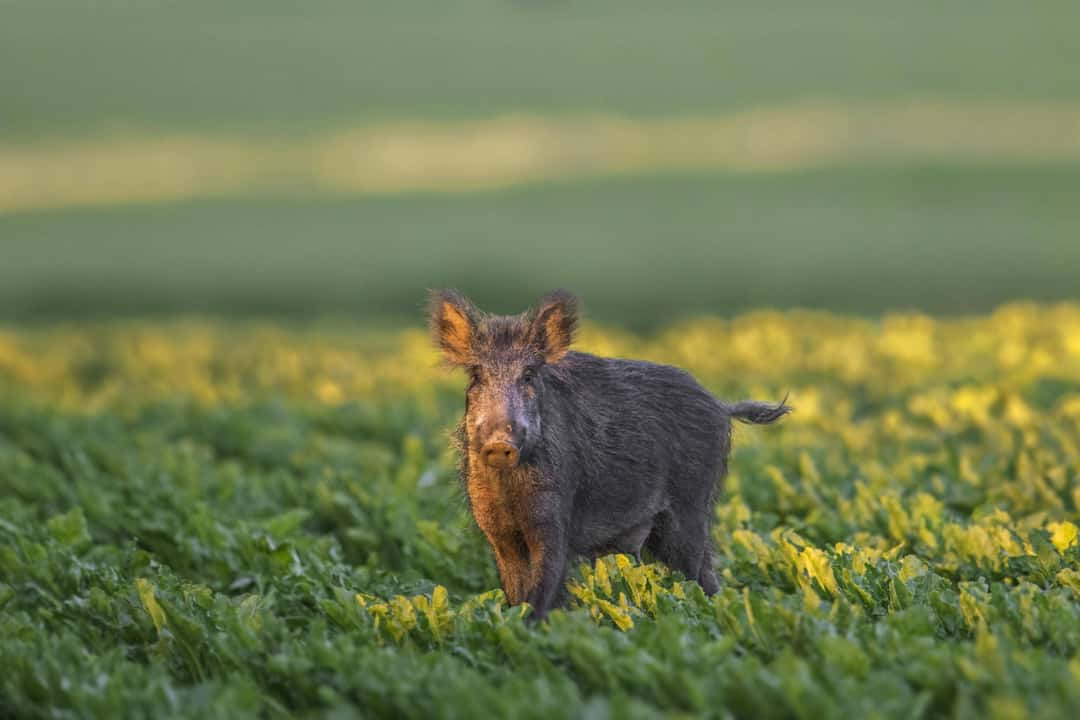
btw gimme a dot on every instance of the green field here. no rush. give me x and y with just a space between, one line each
936 229
639 251
235 520
70 68
226 487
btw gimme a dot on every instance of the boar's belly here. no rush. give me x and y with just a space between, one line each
628 541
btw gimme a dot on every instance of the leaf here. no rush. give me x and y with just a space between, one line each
1063 534
817 565
287 523
618 615
150 603
6 594
436 611
912 567
600 578
1070 578
70 529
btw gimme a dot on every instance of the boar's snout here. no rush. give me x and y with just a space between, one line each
499 454
502 441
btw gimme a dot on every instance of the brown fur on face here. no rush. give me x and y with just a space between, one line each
506 357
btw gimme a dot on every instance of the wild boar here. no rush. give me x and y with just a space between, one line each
566 454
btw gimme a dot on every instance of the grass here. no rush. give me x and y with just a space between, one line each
225 519
639 250
71 69
510 150
176 103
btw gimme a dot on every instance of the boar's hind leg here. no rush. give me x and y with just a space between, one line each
680 541
707 575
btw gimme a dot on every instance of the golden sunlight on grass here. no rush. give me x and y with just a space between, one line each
515 149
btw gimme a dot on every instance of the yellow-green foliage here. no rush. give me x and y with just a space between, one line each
266 520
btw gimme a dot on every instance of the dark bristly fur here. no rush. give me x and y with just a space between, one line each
606 455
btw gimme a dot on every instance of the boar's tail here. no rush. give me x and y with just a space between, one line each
759 413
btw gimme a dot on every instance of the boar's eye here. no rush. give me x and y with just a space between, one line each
474 377
527 376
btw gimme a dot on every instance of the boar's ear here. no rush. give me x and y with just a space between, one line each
551 329
452 319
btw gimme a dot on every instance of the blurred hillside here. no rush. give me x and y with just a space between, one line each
270 158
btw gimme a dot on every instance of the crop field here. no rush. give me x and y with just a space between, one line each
212 519
226 482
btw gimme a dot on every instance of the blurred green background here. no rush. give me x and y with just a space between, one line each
173 156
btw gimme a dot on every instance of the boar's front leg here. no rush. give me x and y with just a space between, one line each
512 558
548 551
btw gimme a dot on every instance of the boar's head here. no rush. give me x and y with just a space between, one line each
509 360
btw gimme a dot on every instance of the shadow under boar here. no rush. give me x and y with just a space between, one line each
566 454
